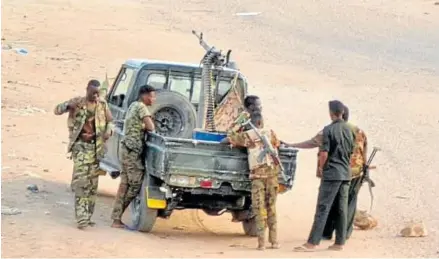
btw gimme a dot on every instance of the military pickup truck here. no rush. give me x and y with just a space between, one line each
181 172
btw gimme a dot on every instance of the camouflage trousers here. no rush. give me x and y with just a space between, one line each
131 179
264 194
84 181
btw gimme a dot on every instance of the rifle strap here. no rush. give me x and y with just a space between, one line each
371 196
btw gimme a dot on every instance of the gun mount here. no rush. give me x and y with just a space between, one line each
213 59
217 58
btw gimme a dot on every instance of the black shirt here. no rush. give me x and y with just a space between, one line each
338 141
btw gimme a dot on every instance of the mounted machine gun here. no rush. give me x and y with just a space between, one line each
213 59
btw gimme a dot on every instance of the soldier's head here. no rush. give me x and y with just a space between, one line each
345 113
336 109
147 94
257 119
92 92
252 103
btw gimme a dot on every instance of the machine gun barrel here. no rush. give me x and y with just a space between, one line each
217 58
203 43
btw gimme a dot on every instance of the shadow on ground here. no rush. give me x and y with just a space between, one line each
54 203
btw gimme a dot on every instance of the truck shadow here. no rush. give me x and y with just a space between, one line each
197 224
55 199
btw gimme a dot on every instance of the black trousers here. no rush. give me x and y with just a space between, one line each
331 194
354 189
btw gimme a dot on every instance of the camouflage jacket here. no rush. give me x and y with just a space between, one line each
76 121
357 159
134 130
255 147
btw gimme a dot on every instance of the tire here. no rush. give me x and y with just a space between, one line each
143 218
249 226
174 115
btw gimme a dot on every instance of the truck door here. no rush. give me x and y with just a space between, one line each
117 100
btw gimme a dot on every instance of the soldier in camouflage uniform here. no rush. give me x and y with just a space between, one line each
137 121
264 178
90 125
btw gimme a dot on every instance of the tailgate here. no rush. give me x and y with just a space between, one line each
204 164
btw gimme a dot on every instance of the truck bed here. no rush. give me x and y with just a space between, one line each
200 165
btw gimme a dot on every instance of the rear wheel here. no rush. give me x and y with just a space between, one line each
143 218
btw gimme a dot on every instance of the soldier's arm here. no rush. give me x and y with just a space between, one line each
109 120
238 139
237 124
324 149
274 140
66 106
365 147
145 115
314 142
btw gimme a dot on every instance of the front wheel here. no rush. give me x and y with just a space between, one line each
143 218
249 226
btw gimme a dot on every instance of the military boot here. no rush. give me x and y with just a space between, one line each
272 236
261 243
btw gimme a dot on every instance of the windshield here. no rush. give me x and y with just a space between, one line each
182 83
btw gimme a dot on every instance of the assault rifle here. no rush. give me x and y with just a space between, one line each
268 149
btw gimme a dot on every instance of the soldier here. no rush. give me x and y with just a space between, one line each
90 125
357 163
252 103
138 120
264 178
334 170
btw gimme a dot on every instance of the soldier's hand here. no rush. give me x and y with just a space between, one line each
319 173
106 136
225 141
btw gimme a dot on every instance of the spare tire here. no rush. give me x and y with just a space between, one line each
174 115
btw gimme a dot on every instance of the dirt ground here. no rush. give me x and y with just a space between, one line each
379 57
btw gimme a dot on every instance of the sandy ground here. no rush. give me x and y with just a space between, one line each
379 57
